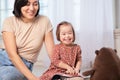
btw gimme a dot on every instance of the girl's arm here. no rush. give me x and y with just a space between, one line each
78 67
78 60
11 48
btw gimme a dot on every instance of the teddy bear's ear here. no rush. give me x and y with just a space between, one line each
97 52
115 50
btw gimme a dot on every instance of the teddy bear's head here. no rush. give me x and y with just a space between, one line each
105 56
106 65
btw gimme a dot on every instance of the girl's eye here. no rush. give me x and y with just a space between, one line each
70 33
63 34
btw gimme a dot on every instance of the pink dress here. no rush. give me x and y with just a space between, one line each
68 54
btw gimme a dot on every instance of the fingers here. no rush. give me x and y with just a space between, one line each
71 71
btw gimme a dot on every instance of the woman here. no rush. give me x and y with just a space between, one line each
23 35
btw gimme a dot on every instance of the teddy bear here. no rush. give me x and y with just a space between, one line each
106 65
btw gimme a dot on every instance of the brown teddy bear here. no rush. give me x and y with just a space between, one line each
106 65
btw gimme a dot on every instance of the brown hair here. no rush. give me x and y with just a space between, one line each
18 4
58 29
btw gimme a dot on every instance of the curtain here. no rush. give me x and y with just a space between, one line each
93 22
97 23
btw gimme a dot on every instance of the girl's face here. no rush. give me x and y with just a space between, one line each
66 34
29 11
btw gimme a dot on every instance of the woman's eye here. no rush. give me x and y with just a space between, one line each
35 4
28 4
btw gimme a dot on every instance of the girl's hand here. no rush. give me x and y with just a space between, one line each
70 70
77 70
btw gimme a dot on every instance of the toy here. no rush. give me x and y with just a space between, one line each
106 65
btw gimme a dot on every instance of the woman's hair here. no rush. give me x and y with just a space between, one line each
17 7
58 29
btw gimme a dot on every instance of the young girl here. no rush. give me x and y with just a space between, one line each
66 59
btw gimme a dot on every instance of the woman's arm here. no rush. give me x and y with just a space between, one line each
10 45
49 43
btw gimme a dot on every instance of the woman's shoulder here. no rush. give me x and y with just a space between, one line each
10 18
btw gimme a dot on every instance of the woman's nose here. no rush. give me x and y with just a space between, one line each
31 7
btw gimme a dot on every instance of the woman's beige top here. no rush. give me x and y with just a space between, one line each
29 36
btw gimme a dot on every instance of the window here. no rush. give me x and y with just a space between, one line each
43 7
6 8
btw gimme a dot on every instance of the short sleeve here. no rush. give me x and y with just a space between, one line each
56 56
49 27
78 53
7 25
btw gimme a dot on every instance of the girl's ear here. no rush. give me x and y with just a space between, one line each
97 52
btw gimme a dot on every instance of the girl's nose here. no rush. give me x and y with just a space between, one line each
67 35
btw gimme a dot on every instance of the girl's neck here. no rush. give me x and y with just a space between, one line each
68 44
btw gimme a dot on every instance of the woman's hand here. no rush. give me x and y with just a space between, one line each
36 78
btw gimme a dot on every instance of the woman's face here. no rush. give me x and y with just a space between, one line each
29 11
66 34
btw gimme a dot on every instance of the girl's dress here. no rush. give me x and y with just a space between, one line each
67 54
